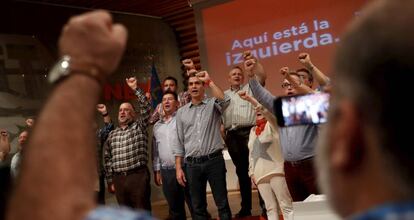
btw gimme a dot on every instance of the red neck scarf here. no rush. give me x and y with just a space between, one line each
260 125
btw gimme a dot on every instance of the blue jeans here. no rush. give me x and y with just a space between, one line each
175 194
213 171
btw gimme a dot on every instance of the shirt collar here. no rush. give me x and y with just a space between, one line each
162 120
130 124
204 101
236 90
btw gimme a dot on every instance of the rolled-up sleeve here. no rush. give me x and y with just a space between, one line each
178 149
221 105
155 155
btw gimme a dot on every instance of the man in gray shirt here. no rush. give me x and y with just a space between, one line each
200 143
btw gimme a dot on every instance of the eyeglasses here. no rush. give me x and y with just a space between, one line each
303 76
286 85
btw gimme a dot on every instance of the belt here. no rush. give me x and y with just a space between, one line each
245 128
305 161
243 131
171 167
205 158
131 171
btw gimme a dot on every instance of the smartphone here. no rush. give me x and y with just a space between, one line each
302 109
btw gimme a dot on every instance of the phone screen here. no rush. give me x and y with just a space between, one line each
302 109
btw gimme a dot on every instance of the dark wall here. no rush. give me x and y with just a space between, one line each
28 39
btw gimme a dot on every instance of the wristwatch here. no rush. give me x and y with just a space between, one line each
66 66
60 70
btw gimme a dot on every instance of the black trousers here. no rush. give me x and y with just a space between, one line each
101 192
213 171
175 195
236 142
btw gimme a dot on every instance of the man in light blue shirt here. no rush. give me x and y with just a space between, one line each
164 140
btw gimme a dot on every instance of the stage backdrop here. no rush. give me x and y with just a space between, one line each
275 31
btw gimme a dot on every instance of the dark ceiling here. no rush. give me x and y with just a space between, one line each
179 14
159 8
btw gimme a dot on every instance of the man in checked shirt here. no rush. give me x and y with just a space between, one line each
126 154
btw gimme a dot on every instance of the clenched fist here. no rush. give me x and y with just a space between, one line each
94 41
132 83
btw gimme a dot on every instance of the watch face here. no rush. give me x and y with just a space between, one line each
60 69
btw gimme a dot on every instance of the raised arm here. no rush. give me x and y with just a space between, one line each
262 95
104 131
65 190
143 102
157 114
4 144
296 83
243 95
271 118
320 77
254 68
101 108
258 107
215 90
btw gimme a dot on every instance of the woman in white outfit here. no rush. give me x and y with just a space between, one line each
266 163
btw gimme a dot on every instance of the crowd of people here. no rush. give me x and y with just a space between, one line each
363 159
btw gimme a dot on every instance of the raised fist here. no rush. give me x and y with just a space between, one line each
29 122
249 66
102 109
4 144
148 96
203 76
247 55
93 41
284 70
4 135
188 64
243 95
132 83
304 58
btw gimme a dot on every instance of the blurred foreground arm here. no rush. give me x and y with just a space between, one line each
65 189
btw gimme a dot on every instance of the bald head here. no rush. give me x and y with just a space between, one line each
126 114
23 136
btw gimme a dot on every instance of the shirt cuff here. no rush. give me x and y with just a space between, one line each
157 167
178 153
